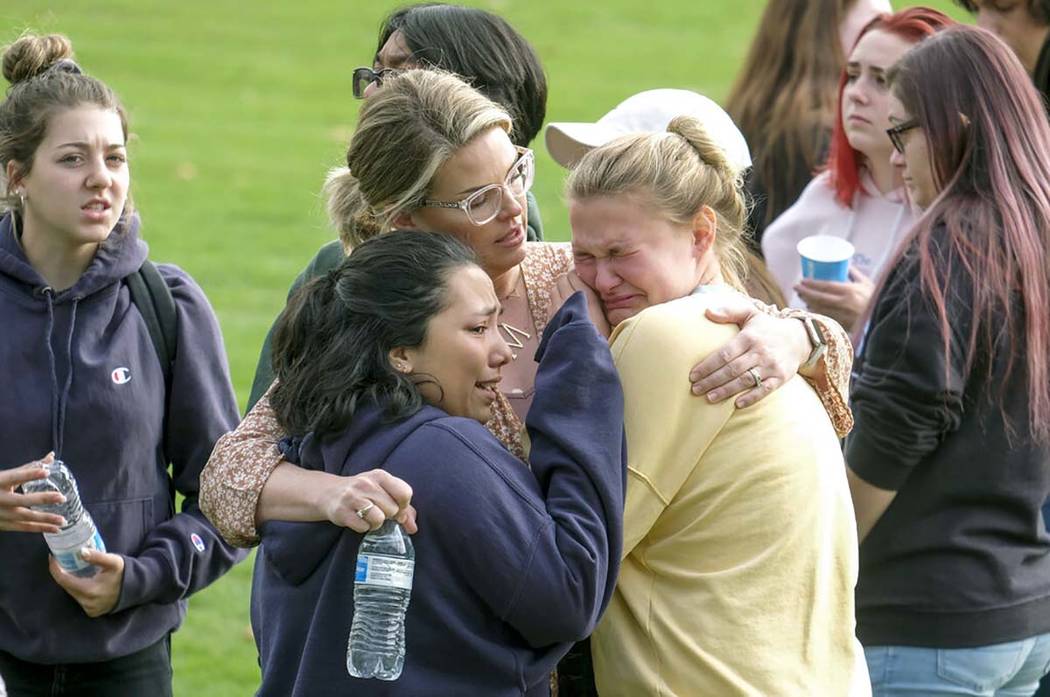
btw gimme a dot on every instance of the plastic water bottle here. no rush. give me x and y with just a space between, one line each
79 531
382 589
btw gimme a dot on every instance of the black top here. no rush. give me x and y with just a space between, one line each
960 558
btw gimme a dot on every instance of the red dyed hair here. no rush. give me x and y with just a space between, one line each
988 138
914 25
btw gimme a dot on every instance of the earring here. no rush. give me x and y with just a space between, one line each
401 368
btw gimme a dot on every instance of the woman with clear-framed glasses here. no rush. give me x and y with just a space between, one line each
483 205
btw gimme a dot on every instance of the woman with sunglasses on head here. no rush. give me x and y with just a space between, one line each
949 458
467 180
860 196
477 45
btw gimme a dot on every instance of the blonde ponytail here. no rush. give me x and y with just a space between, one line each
347 208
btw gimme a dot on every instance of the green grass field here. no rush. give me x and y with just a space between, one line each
238 109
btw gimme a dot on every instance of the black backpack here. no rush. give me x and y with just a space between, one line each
151 295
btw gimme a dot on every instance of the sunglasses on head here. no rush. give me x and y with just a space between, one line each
363 77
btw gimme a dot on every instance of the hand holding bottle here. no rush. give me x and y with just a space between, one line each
15 508
96 594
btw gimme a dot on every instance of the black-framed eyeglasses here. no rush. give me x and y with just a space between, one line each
363 77
899 130
484 204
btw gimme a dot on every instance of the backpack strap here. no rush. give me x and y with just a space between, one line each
151 295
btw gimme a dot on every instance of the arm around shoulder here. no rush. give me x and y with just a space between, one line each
238 469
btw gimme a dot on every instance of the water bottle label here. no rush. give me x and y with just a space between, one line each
388 572
69 558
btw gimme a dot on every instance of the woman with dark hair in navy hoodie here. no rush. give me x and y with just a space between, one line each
393 360
83 382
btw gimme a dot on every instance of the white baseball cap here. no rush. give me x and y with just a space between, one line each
648 112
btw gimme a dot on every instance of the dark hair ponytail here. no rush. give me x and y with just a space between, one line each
332 342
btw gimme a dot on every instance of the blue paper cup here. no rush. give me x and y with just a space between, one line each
825 258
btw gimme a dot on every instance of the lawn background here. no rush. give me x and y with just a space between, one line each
238 109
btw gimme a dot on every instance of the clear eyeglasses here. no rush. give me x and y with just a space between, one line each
484 204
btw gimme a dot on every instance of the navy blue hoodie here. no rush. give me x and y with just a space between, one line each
82 378
512 565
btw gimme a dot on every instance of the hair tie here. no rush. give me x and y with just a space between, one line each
66 65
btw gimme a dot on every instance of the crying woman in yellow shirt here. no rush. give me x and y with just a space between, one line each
740 546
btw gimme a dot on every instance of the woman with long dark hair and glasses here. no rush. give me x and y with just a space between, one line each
950 457
477 45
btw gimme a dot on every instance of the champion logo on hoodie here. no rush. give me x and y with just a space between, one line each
120 376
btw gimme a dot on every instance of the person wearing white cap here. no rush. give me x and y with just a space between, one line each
647 112
650 112
740 546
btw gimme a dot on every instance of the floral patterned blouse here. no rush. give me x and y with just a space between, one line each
243 459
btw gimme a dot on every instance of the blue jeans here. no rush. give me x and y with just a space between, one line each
1001 670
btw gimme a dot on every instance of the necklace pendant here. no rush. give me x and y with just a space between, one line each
515 336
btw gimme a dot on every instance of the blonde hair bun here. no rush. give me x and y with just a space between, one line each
711 153
347 208
30 55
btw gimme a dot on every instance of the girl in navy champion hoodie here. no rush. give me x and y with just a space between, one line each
83 381
393 360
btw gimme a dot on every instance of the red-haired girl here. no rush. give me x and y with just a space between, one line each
860 196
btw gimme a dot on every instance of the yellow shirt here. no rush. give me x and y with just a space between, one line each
740 546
